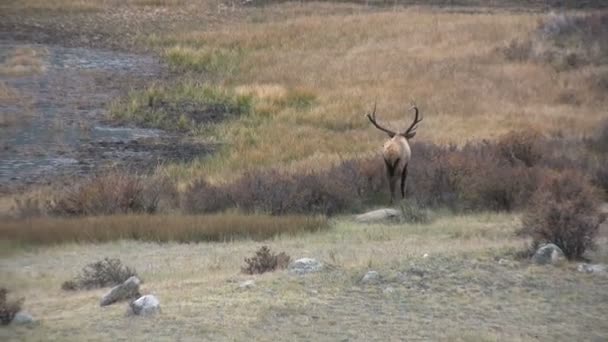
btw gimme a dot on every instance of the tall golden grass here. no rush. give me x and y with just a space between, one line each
451 64
157 228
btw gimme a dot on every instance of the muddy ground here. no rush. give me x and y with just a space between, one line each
64 132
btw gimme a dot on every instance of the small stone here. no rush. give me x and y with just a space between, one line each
548 254
304 266
145 305
127 290
371 277
22 318
247 284
426 255
388 290
380 215
589 268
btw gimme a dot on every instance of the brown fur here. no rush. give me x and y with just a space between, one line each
396 152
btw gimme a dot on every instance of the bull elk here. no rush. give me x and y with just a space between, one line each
396 151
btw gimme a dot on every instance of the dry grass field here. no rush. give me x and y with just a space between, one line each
459 292
285 86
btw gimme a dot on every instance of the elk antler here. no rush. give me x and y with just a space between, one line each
372 119
411 131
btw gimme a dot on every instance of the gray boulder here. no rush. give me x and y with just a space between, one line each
145 305
247 284
22 318
548 254
127 290
380 215
589 268
305 266
371 277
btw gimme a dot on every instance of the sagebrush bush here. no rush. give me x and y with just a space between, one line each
277 193
265 261
599 141
563 211
565 41
103 273
111 193
8 308
521 147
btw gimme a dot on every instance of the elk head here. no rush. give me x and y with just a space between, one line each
396 151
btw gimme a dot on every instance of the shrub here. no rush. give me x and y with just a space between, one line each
103 273
276 193
8 309
599 142
202 197
521 146
111 193
265 261
412 212
563 211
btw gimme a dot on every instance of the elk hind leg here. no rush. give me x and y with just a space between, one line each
403 178
392 179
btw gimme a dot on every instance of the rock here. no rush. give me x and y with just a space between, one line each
127 290
380 215
388 290
247 284
548 254
371 277
145 305
304 266
589 268
22 318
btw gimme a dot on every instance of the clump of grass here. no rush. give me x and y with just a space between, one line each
186 106
111 193
158 228
8 309
103 273
301 99
215 61
22 62
563 211
28 207
265 261
412 212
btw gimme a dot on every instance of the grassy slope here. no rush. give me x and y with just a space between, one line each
464 292
450 64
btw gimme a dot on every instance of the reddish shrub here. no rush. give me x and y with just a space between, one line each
265 261
563 211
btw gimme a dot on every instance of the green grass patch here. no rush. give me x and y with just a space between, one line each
186 106
217 61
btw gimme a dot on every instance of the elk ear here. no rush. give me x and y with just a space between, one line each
410 135
390 134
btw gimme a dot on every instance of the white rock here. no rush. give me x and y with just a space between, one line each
127 290
379 215
388 290
589 268
145 305
304 266
247 284
548 254
370 277
22 317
